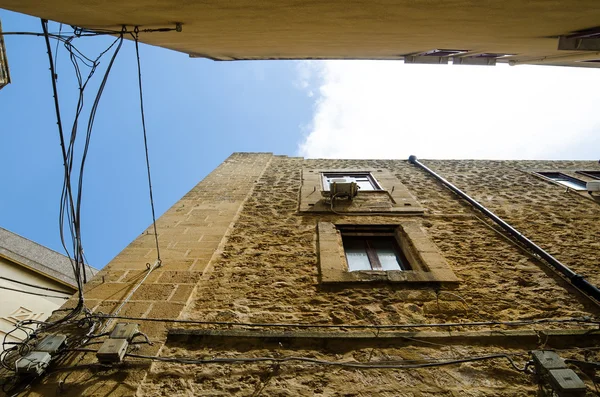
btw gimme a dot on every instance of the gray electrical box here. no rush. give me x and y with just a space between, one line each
124 331
51 343
566 382
34 363
112 351
546 360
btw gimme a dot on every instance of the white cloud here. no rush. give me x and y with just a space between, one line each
386 109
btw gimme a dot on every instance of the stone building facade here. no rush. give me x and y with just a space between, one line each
256 252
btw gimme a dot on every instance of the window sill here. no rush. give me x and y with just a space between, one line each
333 276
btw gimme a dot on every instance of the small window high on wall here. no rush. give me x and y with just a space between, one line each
364 180
590 174
568 181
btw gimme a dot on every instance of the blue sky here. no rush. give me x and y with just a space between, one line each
199 111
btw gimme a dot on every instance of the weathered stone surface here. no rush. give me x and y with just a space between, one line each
268 273
238 250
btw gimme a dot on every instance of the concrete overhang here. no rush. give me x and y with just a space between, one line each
338 29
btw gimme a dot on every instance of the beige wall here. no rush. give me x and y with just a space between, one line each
17 306
236 248
269 273
363 29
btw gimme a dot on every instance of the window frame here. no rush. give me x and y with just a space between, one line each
560 175
594 174
352 174
427 264
367 234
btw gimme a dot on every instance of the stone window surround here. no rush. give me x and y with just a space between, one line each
573 173
402 201
428 266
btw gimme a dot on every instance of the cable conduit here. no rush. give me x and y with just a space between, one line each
575 279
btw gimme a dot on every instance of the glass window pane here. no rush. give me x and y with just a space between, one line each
364 181
571 184
386 254
356 255
365 185
565 180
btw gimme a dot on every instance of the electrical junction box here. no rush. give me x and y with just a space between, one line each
593 186
124 331
566 382
546 360
51 343
112 351
34 363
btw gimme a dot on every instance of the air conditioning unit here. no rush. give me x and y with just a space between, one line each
341 189
593 186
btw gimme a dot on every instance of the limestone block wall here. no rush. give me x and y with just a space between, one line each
190 235
268 270
562 222
268 273
236 249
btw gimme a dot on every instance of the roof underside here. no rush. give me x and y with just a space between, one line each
347 29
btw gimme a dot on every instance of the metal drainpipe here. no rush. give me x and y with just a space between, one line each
575 279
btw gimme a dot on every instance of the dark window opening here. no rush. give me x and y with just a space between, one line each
443 53
568 181
373 250
590 174
586 33
492 55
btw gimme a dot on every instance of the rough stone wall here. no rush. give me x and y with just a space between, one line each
563 223
190 234
236 249
268 273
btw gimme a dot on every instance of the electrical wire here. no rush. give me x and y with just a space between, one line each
331 202
344 364
139 68
44 23
71 199
81 32
34 286
579 320
124 301
86 148
34 293
56 52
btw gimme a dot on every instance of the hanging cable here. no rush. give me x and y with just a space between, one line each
343 364
577 320
86 148
44 23
111 318
34 293
33 285
56 52
137 53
